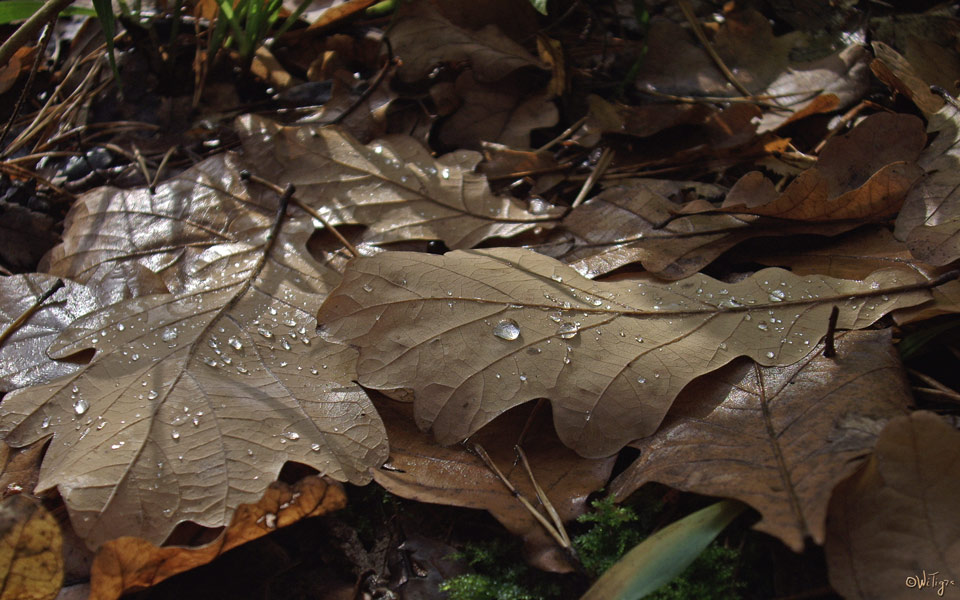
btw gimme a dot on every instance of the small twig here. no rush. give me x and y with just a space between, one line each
949 395
829 351
19 321
163 165
18 171
544 500
391 61
566 133
44 14
595 176
478 449
41 51
143 168
247 175
753 99
936 89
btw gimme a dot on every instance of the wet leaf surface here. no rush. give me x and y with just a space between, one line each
780 445
23 356
393 185
475 333
893 524
194 402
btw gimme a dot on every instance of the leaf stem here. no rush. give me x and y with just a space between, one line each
19 321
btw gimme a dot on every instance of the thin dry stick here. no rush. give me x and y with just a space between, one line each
478 449
163 165
931 381
698 31
595 176
757 99
308 209
41 52
30 27
19 321
566 133
391 62
142 163
542 497
829 351
18 171
951 395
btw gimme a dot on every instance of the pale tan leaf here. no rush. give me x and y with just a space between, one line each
930 220
784 449
112 235
894 524
635 222
393 186
475 333
423 39
23 356
195 401
422 470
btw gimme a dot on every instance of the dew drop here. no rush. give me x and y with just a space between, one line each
639 339
135 357
285 344
770 355
762 326
722 346
169 334
315 447
290 323
777 296
175 435
235 343
210 362
445 173
242 370
291 435
367 287
117 446
80 406
265 332
523 377
506 329
641 379
568 331
152 395
45 423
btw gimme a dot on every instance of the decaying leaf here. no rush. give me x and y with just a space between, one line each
475 333
21 468
423 38
31 563
930 219
193 402
893 526
23 356
392 185
498 112
127 564
634 221
783 446
422 470
863 176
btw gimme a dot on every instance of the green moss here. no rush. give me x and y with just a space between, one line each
614 530
500 574
711 577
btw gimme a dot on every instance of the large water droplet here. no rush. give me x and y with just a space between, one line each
777 296
237 344
265 332
80 406
762 326
507 329
770 355
175 434
169 334
291 435
152 395
568 331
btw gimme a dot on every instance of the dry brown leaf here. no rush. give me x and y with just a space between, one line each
195 401
862 176
422 470
763 63
26 234
393 185
502 113
634 222
31 563
21 469
900 76
127 564
366 120
423 38
784 449
894 524
930 219
23 356
474 333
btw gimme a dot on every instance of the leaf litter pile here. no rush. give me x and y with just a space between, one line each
490 259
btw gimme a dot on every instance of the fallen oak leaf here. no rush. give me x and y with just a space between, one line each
930 220
635 221
781 444
894 523
31 560
194 402
474 333
420 469
23 355
127 564
393 185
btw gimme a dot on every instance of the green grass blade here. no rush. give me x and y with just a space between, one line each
104 10
664 555
540 5
19 10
